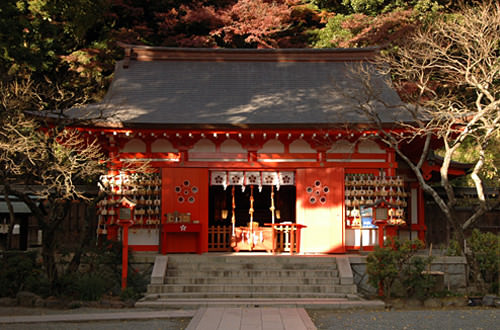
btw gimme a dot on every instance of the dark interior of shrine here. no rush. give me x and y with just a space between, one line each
220 205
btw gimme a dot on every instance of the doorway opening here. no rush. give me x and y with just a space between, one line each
247 213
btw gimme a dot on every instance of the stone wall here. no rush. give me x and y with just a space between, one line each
454 269
143 262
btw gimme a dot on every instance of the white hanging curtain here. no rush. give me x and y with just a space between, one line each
218 178
235 178
252 178
271 179
286 178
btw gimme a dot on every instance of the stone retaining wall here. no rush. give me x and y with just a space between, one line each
454 269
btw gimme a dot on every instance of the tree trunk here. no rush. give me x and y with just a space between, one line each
84 237
49 256
57 212
12 217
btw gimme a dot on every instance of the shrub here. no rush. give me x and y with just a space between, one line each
91 287
83 286
101 273
136 285
20 271
485 250
396 263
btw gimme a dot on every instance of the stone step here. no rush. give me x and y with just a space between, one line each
249 288
221 272
351 302
207 266
252 259
253 280
197 278
233 295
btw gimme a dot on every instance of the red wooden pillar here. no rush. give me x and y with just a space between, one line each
125 219
381 229
124 254
421 214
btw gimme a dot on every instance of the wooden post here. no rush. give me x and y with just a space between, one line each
125 219
233 216
251 242
381 228
125 255
272 208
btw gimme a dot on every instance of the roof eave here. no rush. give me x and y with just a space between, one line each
149 53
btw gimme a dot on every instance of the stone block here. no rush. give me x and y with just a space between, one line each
414 303
454 269
432 303
396 303
39 302
491 301
455 281
7 302
454 301
159 270
26 298
345 271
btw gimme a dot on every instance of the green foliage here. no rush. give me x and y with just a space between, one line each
41 44
396 263
332 33
373 7
330 5
453 249
84 286
100 273
136 285
468 152
377 7
415 280
91 286
20 271
485 249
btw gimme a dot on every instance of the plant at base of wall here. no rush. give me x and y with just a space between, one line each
395 267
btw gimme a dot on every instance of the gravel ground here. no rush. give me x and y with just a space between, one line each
16 310
163 324
442 319
167 324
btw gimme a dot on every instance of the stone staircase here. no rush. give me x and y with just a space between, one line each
184 280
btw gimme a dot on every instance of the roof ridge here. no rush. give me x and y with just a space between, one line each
157 53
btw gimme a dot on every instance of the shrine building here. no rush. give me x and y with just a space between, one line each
251 150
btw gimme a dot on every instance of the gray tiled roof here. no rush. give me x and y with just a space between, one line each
237 92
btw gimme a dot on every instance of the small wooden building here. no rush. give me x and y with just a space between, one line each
253 150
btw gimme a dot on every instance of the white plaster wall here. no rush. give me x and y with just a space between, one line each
162 145
272 146
370 147
300 146
134 145
204 145
361 237
232 146
342 146
143 236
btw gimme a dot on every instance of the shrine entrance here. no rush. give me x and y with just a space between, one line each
252 216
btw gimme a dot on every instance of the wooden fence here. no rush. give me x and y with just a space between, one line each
219 238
